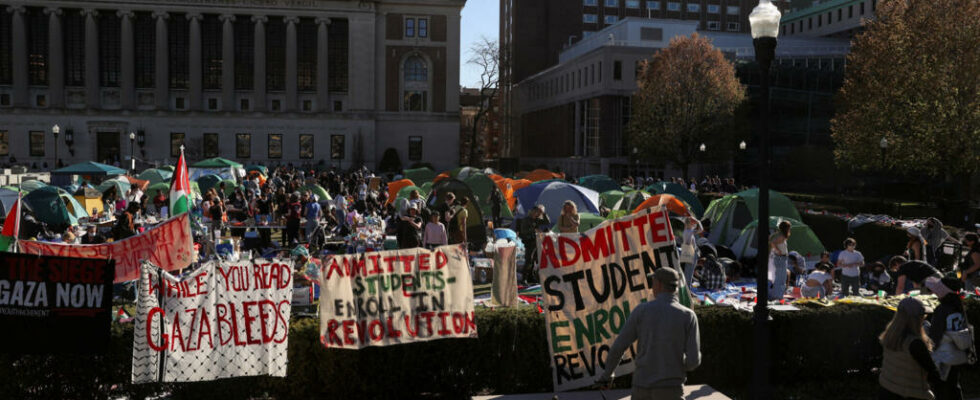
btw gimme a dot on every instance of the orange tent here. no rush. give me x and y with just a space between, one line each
259 174
672 203
395 186
444 175
543 174
142 184
507 188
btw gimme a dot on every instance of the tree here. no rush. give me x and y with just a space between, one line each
912 79
485 55
686 95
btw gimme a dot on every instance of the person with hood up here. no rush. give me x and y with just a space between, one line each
934 235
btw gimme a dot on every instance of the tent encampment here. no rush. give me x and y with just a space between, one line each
631 200
730 214
553 195
207 182
120 184
90 199
680 192
482 187
419 175
154 175
802 239
55 207
609 198
542 174
31 185
395 186
599 183
317 190
89 168
476 231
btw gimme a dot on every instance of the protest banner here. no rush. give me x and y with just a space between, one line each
398 296
54 304
220 321
169 245
591 282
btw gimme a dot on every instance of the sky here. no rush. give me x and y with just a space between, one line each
479 18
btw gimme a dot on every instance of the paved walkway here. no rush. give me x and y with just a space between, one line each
692 392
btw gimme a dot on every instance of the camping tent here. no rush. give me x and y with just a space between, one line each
802 239
395 186
89 168
732 213
425 189
31 185
586 221
406 191
672 203
262 169
599 183
317 190
680 192
207 182
482 187
55 207
542 174
476 231
631 200
553 194
89 198
224 168
154 175
216 162
419 175
465 172
120 184
609 198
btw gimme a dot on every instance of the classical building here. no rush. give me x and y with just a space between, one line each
260 81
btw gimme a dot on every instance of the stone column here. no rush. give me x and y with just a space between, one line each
93 97
291 91
56 62
161 86
127 61
196 67
19 56
259 67
322 80
228 62
452 61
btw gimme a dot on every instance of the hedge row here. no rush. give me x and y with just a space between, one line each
875 241
510 356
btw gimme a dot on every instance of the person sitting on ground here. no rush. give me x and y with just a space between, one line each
710 273
819 283
797 268
878 279
917 272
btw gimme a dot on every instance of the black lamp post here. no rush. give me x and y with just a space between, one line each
702 149
764 22
738 162
636 164
132 151
55 130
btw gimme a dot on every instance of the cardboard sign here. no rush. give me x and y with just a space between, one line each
54 304
393 297
590 284
223 320
169 245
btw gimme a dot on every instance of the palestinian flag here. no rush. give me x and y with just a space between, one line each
11 227
180 189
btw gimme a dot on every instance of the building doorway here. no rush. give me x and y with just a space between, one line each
107 148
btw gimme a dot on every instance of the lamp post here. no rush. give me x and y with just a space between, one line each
132 150
764 23
883 145
702 148
738 165
636 164
55 130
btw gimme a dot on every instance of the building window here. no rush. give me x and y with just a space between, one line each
731 10
672 6
275 145
830 17
244 53
275 105
415 148
590 18
862 8
693 7
809 23
179 103
416 84
109 50
245 104
337 43
714 26
275 54
617 70
4 143
210 145
653 5
819 20
176 141
305 146
213 104
590 2
243 145
178 42
337 147
73 30
144 46
37 46
850 11
423 27
840 14
714 9
211 38
611 19
612 3
409 27
306 37
338 106
37 143
733 27
632 3
6 62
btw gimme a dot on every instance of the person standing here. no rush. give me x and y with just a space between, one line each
778 260
293 216
850 262
947 329
568 221
970 267
915 249
496 198
435 233
409 227
668 342
313 213
689 248
458 215
527 230
907 369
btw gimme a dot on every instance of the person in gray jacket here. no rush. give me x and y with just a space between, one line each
669 343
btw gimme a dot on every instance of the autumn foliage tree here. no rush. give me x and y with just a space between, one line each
686 95
913 78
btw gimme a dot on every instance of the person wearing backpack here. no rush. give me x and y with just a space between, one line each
949 331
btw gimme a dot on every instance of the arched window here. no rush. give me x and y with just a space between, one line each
415 84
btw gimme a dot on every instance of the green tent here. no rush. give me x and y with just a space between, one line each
317 190
31 185
631 200
230 186
732 213
155 175
802 239
196 191
89 168
419 175
680 192
425 189
120 184
404 192
216 162
599 183
206 182
55 207
482 186
164 186
586 221
609 198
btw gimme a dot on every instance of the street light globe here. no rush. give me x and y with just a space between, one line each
741 145
703 147
56 129
635 150
132 135
883 144
764 20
